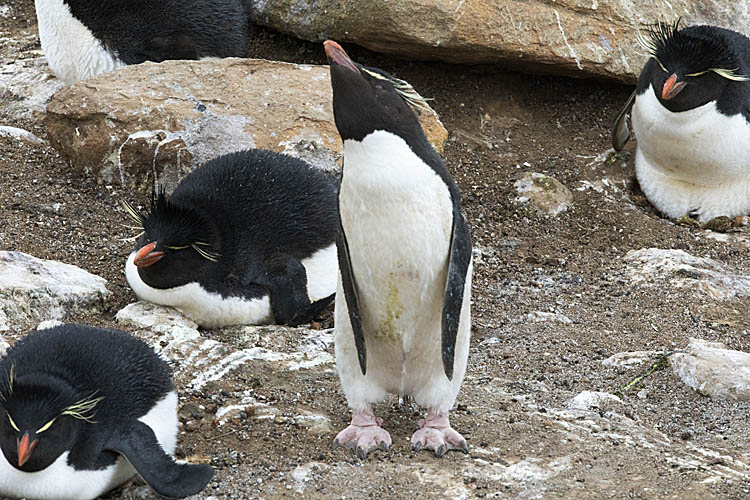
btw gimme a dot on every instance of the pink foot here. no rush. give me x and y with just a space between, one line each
364 434
435 433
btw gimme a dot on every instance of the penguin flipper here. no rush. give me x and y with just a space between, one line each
460 258
285 278
620 130
173 46
137 443
351 296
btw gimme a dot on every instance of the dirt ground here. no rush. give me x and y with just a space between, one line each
664 440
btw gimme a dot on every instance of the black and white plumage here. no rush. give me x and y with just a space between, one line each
691 117
402 320
82 38
247 238
83 409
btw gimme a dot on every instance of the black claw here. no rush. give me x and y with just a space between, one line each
385 446
464 447
361 453
417 446
336 444
441 450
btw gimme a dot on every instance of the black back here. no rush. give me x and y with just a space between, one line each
149 30
253 204
694 54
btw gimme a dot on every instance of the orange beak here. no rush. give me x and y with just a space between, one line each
146 255
25 448
338 55
671 87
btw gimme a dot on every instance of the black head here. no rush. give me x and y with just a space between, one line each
694 65
368 99
177 243
41 418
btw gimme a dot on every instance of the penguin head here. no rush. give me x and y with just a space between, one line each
368 99
694 65
41 418
177 243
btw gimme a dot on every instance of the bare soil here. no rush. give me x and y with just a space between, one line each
521 373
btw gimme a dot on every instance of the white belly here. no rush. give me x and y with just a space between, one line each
211 310
72 51
208 309
61 481
396 213
696 160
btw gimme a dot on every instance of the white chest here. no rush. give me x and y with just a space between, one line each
699 146
397 216
72 51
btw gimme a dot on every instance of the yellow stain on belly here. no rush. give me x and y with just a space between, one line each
393 309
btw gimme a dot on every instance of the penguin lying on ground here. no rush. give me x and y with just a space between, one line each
82 38
402 320
247 238
691 116
83 409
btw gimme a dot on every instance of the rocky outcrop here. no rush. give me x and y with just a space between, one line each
34 290
165 119
573 37
713 370
648 266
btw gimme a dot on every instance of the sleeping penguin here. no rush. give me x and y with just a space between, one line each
402 318
81 410
82 38
247 238
691 116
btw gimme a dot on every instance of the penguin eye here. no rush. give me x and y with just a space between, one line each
46 426
178 248
12 423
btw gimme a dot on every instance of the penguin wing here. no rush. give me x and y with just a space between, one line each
137 443
351 296
173 46
620 130
458 268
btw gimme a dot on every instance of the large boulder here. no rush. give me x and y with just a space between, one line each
573 37
165 119
34 290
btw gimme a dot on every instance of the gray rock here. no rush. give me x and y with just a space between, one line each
573 37
34 290
592 400
713 370
162 120
649 266
546 193
25 87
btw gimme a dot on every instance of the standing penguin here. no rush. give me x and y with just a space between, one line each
402 322
247 238
82 38
81 410
691 116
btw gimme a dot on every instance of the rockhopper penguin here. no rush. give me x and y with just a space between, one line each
82 38
402 318
81 410
691 117
247 238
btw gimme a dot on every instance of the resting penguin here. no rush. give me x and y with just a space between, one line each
81 410
247 238
691 116
402 318
82 38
